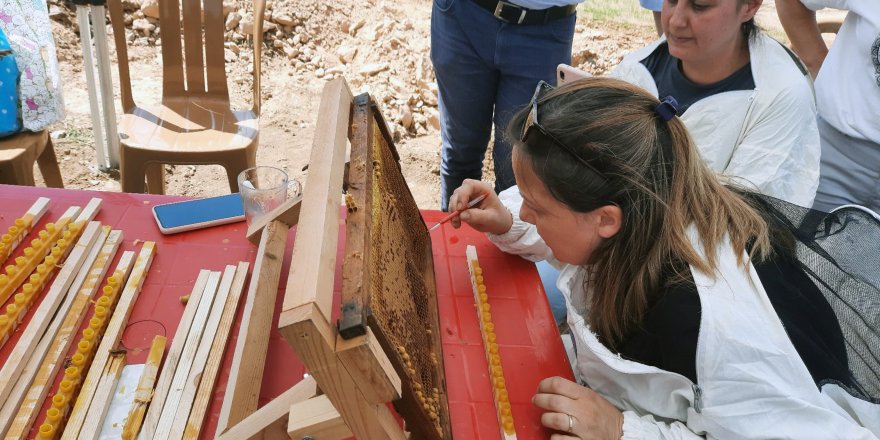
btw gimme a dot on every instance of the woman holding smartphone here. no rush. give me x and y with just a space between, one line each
698 311
746 100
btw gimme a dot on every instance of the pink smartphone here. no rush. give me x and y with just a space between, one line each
566 74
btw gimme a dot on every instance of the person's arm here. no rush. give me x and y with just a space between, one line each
779 153
800 25
522 238
647 427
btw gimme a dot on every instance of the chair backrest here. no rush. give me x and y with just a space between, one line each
192 66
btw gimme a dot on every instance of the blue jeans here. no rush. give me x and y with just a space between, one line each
486 71
555 297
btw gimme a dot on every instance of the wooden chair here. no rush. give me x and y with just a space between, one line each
18 154
194 123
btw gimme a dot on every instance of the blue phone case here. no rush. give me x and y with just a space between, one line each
199 213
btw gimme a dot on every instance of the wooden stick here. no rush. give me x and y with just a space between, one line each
215 359
31 335
191 384
370 367
10 406
187 357
167 375
90 211
287 213
313 263
102 398
316 418
112 334
493 360
246 373
144 392
270 414
24 225
92 275
12 282
313 339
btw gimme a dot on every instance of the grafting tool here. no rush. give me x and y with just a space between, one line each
453 214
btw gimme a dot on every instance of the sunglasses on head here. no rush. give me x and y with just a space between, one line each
532 122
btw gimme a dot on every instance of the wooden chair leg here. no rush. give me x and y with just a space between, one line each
11 174
132 175
235 165
156 178
48 163
23 172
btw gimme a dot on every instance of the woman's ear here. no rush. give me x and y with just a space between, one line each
751 8
610 221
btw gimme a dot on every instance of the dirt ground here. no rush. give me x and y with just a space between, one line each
310 44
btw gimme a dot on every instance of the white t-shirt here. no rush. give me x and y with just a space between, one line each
848 84
544 4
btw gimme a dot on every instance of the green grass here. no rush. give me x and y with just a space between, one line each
623 11
79 135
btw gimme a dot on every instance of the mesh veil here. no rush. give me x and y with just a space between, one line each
840 252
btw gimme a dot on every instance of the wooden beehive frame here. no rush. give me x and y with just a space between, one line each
354 374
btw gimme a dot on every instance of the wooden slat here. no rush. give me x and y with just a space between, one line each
272 414
41 318
200 360
90 211
317 419
102 397
313 263
215 61
112 334
192 47
167 375
54 358
287 213
215 359
313 339
356 283
114 8
187 358
249 359
370 367
30 218
172 50
10 406
144 392
505 422
15 281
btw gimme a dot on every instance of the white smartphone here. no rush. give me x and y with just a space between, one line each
567 74
199 213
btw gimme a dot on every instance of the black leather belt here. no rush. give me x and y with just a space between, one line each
511 13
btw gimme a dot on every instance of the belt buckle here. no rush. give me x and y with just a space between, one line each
499 10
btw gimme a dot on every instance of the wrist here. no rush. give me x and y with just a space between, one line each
506 223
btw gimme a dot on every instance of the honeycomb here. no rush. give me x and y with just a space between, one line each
397 275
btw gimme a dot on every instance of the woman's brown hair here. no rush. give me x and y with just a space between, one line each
648 167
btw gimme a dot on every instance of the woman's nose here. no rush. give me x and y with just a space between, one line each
674 14
525 214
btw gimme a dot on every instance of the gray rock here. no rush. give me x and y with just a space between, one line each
150 8
346 53
232 20
372 68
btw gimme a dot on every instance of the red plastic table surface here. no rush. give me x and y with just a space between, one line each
529 342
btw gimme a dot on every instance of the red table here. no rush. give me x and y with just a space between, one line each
527 336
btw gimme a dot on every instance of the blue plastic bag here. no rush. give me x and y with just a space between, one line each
10 121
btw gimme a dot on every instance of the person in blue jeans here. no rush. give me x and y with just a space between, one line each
488 55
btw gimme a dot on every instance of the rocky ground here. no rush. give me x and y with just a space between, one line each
379 46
